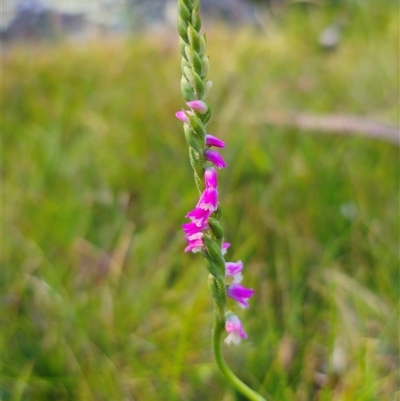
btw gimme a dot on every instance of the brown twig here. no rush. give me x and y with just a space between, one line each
336 124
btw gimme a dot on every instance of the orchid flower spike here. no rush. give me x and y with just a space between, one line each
204 232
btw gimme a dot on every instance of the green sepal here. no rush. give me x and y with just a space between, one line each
206 117
196 20
185 63
197 125
194 38
195 5
205 65
194 60
214 256
218 291
195 81
187 91
207 88
218 212
182 29
193 140
188 4
182 45
183 11
199 183
197 162
216 228
203 45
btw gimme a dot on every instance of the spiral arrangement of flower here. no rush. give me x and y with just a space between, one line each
204 232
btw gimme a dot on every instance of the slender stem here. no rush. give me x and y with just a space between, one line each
218 329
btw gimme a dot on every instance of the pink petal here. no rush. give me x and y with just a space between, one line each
198 105
240 294
210 177
214 141
215 157
225 247
181 115
235 329
208 200
192 228
195 246
199 216
233 268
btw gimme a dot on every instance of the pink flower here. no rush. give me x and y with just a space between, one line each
195 246
214 141
234 328
208 200
234 269
181 115
215 157
225 247
210 177
198 105
192 228
199 216
240 294
193 237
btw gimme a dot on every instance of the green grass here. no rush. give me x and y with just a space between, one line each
99 300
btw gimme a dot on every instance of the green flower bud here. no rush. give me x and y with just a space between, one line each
197 126
184 11
196 20
218 291
203 45
185 64
207 88
214 256
186 89
194 39
205 65
197 162
194 60
182 45
182 29
218 212
193 140
206 117
195 81
216 228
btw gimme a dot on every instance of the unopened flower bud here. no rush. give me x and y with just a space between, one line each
198 105
214 141
215 157
181 115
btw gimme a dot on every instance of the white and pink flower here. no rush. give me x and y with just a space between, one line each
240 294
234 328
234 269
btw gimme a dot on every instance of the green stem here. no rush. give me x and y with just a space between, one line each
218 329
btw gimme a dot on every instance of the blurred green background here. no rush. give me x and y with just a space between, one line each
100 302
